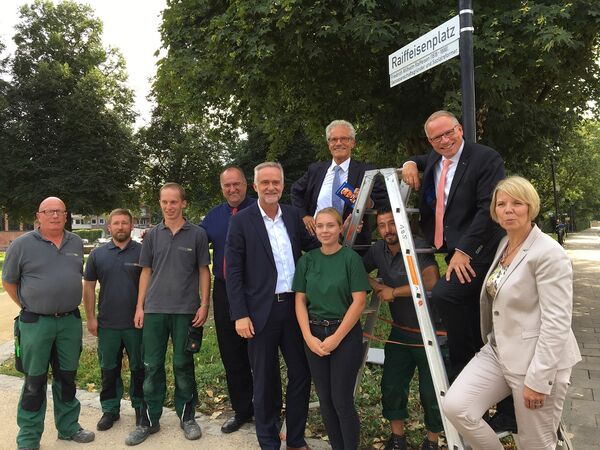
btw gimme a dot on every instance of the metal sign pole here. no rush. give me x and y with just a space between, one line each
467 71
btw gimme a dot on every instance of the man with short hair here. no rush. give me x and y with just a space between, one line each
233 348
174 262
42 275
458 180
115 265
263 244
317 188
404 350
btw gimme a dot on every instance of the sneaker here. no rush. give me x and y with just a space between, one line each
140 434
81 437
502 423
191 429
107 420
429 445
396 442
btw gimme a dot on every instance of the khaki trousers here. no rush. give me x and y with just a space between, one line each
483 383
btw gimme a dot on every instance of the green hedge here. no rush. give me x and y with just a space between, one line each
90 235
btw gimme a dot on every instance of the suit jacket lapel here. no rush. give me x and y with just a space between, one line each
261 231
520 256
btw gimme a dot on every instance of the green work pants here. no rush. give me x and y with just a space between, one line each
111 344
398 370
54 341
157 329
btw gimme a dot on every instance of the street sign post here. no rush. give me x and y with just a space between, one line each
431 49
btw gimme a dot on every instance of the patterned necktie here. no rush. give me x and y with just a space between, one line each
439 206
234 211
336 201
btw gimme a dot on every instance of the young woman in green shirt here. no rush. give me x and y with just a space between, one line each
331 287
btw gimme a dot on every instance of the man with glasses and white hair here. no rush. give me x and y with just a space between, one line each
42 275
457 184
316 189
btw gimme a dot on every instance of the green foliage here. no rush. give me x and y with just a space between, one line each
90 235
189 154
69 113
298 64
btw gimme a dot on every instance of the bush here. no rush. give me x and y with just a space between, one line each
90 235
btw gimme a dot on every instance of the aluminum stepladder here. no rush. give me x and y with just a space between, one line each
398 194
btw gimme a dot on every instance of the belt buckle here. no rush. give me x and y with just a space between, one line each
57 315
325 323
280 297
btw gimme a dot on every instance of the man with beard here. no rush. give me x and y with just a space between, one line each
115 266
404 350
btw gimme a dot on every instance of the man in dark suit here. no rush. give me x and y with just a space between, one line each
458 180
315 190
263 244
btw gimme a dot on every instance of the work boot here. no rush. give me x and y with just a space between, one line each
81 437
396 442
107 420
140 434
191 429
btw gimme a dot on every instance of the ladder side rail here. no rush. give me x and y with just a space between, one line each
360 206
419 295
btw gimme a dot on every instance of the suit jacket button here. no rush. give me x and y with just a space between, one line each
550 383
496 313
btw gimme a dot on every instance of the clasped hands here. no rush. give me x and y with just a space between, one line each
322 348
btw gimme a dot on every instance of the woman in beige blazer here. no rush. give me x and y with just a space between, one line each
529 347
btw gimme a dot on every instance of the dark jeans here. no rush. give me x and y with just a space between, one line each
335 377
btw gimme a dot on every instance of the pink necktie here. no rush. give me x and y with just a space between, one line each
439 206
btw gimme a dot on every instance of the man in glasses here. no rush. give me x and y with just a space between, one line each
456 188
317 188
42 274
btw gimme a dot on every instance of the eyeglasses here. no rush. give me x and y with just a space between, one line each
446 134
51 212
343 140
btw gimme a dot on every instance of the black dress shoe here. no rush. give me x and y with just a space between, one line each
503 422
234 423
107 420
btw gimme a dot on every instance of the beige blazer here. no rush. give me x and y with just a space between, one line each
531 313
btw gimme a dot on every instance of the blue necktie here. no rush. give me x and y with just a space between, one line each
336 201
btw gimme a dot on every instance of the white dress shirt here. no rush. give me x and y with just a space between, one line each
324 198
282 250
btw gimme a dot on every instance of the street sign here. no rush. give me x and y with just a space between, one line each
431 49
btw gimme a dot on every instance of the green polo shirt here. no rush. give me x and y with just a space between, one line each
118 272
329 281
175 262
48 278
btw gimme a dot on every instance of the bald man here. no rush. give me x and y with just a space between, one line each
42 275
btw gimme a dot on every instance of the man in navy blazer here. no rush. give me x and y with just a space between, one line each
313 191
470 236
263 244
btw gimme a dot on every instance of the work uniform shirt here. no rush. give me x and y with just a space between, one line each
216 225
392 271
118 272
48 278
175 262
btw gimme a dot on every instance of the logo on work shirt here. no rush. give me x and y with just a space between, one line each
72 254
185 249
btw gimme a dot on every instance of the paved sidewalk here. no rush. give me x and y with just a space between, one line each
581 412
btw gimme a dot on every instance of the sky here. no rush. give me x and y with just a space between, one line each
129 25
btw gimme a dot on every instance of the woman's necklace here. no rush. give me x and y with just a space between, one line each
508 252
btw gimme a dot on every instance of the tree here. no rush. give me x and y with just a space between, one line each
70 113
295 64
188 154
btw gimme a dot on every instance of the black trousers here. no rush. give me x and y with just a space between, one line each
335 377
281 332
234 354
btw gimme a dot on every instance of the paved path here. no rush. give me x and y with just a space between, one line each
581 413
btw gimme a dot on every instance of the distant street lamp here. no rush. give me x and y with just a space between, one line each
554 185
